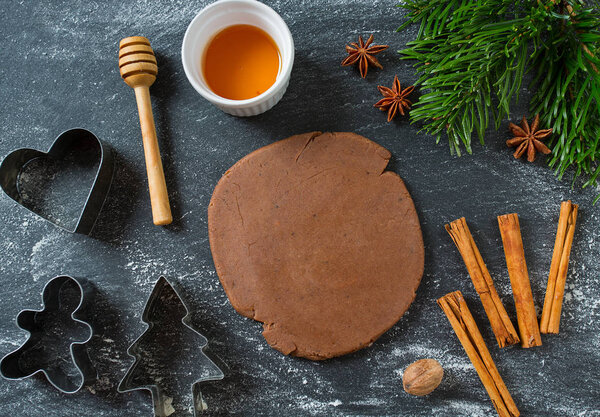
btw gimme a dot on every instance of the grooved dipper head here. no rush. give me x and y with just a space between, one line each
137 63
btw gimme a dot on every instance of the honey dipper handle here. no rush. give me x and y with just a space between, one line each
159 198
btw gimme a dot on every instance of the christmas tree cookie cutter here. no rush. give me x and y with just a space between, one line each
58 326
171 349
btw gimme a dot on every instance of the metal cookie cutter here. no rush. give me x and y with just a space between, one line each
170 355
74 140
53 330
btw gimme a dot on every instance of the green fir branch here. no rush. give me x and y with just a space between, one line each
471 57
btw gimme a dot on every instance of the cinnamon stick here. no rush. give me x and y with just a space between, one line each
501 324
555 290
455 308
519 280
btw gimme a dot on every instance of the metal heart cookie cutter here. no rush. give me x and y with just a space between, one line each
56 346
80 146
170 355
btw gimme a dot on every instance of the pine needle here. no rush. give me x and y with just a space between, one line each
471 57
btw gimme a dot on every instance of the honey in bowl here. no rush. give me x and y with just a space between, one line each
241 62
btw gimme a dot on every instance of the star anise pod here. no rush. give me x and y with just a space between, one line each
362 52
394 99
528 138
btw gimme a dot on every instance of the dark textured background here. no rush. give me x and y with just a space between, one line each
59 70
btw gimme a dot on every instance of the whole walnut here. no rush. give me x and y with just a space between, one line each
422 377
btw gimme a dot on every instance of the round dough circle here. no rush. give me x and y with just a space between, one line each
311 236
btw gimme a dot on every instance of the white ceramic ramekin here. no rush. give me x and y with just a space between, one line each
219 15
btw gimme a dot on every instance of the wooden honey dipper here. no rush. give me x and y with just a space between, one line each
138 68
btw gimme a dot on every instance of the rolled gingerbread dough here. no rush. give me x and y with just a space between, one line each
311 236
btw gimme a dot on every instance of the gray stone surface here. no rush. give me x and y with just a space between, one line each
59 70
